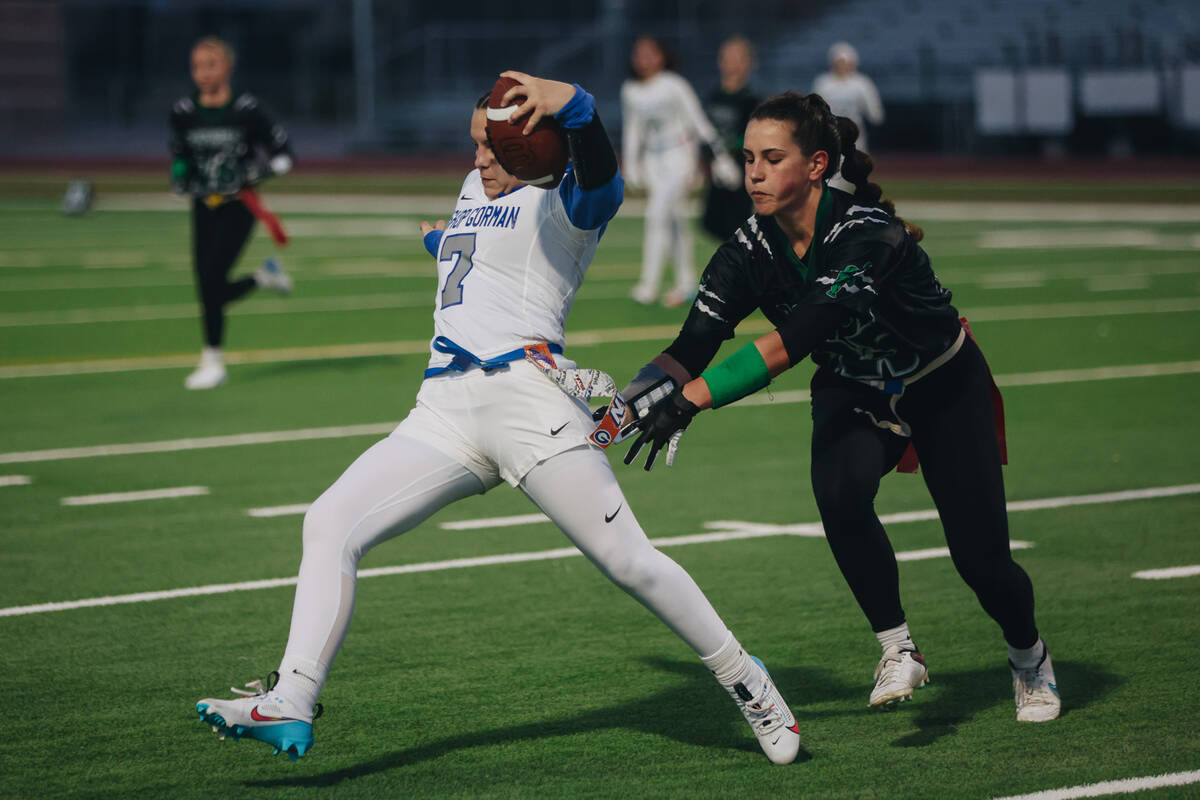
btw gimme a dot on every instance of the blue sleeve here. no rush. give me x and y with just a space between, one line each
591 208
432 240
578 111
587 209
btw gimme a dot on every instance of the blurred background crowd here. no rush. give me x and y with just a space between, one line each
1045 78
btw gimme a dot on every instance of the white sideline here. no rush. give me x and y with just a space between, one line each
1169 572
750 531
380 428
133 497
15 480
1126 786
1011 313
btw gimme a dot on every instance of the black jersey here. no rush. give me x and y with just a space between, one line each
862 258
223 149
729 113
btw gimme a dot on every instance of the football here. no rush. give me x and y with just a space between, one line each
539 159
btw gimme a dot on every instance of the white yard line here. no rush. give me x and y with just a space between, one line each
736 531
380 428
176 445
312 305
134 497
279 511
1126 786
15 480
575 339
1167 573
494 522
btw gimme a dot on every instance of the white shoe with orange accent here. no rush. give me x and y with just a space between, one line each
769 717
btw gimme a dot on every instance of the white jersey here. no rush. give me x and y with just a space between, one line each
508 270
853 96
662 113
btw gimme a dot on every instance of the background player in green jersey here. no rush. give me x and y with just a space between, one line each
729 107
223 144
845 282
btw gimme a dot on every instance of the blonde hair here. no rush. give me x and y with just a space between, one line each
217 43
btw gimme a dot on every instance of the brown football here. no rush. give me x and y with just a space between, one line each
539 159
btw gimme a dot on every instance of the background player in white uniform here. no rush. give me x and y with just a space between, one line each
510 260
850 93
663 124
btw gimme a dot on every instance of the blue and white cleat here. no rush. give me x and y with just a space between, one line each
769 717
899 672
1036 691
272 276
262 715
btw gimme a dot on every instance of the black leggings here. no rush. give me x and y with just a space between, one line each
954 431
218 236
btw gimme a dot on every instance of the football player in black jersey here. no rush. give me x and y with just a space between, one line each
729 107
846 283
223 144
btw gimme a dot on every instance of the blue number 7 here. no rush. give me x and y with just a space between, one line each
458 248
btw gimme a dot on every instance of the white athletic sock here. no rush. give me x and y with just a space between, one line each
300 681
732 666
211 355
898 635
1028 657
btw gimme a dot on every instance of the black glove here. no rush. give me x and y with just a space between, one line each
662 427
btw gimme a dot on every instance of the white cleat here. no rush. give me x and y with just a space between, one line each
263 715
210 373
643 295
271 276
769 717
1036 691
900 671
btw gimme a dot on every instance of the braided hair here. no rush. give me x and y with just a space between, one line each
815 127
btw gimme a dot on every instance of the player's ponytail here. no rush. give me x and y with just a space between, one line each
856 169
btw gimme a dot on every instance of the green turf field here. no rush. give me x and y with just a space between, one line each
538 678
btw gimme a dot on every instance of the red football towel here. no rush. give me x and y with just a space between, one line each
251 200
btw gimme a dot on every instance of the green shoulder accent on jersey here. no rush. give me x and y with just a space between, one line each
810 265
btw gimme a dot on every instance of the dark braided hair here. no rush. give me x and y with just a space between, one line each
815 127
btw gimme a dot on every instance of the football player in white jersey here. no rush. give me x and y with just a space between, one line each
510 260
663 124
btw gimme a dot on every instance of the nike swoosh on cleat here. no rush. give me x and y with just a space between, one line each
257 717
558 430
612 516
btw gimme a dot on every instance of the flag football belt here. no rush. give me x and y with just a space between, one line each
909 461
463 358
897 386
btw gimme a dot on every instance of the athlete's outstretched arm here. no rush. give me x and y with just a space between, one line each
743 373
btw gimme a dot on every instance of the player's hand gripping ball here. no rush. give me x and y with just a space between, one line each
539 159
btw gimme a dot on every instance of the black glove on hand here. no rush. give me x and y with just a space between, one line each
662 427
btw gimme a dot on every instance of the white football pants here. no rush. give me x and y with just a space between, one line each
400 481
668 175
